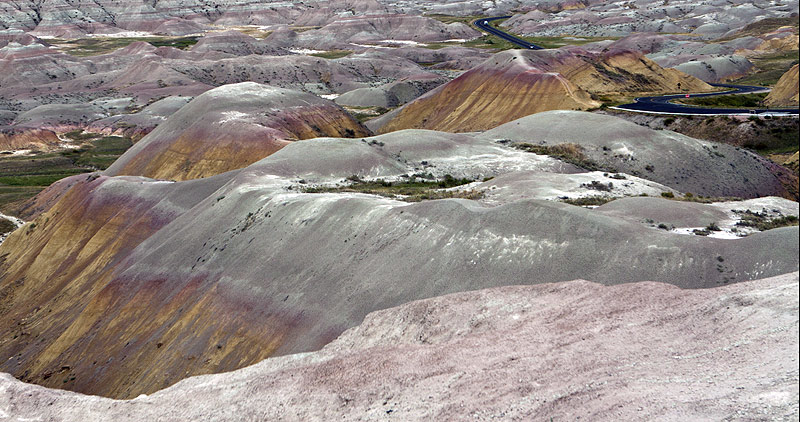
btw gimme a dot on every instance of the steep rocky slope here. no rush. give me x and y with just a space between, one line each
246 265
517 83
230 127
785 92
14 139
562 350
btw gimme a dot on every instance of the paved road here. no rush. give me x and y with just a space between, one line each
659 104
484 25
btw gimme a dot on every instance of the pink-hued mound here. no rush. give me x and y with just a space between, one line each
567 351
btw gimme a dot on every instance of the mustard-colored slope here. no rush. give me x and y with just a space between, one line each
484 98
517 83
28 139
52 268
209 148
158 334
785 92
630 72
230 127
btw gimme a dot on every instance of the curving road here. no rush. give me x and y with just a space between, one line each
658 104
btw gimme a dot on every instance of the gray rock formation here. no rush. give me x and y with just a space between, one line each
669 158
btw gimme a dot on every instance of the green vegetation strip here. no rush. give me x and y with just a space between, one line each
97 45
413 190
333 54
22 177
727 101
769 68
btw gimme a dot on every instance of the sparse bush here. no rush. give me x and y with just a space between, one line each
412 190
596 185
589 201
569 152
761 221
669 195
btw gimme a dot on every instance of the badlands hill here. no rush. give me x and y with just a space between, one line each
383 28
230 127
43 88
785 92
276 268
666 157
610 19
68 19
559 350
516 83
713 42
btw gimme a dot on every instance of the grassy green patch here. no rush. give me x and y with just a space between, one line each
6 226
99 153
100 45
333 54
413 190
568 152
79 135
770 68
183 43
774 136
36 179
735 100
22 177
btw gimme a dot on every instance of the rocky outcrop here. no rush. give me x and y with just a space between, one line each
572 350
235 43
230 127
785 92
13 139
73 19
137 125
377 28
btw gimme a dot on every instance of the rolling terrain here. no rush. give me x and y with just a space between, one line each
371 209
260 259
